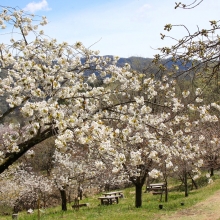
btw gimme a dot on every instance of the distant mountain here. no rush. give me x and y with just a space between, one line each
136 63
141 63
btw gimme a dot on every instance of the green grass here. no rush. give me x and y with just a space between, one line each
125 210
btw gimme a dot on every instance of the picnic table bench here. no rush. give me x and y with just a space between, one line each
157 189
109 200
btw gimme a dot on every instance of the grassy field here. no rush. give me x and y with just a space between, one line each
125 210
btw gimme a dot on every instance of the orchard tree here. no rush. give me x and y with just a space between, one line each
136 138
45 84
71 171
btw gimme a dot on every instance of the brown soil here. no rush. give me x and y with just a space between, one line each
208 209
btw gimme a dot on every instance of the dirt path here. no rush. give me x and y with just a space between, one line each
208 209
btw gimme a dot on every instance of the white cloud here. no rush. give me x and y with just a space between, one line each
37 6
144 8
142 13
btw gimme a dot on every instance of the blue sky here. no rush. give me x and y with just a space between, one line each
120 27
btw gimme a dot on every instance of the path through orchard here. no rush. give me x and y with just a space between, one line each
208 209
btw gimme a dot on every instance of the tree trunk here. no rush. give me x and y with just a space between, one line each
64 200
185 184
212 171
165 180
138 195
166 191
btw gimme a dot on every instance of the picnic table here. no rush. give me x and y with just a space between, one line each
119 193
108 200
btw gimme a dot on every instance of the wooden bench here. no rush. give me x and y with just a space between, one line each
157 189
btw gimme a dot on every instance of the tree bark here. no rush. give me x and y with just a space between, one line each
138 195
165 180
64 200
185 184
166 192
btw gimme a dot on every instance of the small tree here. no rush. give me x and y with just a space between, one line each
70 171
